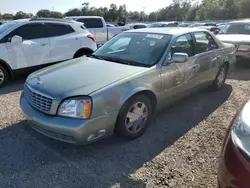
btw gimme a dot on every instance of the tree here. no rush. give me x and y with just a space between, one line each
1 17
44 13
112 12
73 12
55 14
7 16
22 15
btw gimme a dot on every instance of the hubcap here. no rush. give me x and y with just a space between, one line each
136 117
221 77
1 76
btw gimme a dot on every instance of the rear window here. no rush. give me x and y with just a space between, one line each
91 22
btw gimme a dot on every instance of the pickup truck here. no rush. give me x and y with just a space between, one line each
97 27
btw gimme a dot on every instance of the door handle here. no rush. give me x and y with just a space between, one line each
76 38
44 44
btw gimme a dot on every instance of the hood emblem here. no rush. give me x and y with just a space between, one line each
39 80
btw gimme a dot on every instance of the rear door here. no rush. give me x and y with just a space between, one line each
33 50
96 28
206 57
63 42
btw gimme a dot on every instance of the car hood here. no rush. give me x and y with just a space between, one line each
234 38
80 76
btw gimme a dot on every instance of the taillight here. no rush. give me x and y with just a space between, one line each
91 37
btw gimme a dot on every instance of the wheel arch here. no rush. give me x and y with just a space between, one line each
142 91
84 49
7 67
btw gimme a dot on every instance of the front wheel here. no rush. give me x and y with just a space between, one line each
220 79
134 117
4 76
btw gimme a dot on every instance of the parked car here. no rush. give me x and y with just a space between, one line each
140 26
110 25
164 24
234 165
97 26
122 84
30 43
238 33
215 30
198 24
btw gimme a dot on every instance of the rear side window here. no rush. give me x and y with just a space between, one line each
91 22
53 29
31 31
201 42
204 42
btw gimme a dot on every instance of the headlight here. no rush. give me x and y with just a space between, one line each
79 107
241 130
244 48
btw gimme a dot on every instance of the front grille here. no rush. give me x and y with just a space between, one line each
38 100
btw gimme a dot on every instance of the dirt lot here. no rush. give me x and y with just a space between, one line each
180 149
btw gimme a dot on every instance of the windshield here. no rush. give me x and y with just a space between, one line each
236 28
7 26
139 49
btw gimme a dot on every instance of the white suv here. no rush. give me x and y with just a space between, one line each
36 42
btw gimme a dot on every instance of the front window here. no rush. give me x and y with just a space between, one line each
6 26
236 28
139 49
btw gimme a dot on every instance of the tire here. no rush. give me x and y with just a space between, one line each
142 104
220 78
4 76
81 53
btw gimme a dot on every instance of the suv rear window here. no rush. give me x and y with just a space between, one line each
54 29
91 22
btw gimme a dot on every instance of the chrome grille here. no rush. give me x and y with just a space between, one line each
38 100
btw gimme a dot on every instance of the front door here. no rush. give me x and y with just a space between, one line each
33 50
177 81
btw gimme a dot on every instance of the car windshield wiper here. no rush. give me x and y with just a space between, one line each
126 62
95 56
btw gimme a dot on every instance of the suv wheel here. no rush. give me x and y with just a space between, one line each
4 76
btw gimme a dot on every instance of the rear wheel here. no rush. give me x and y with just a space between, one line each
82 53
220 79
134 117
4 76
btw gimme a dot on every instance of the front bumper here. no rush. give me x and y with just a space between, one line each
234 168
69 130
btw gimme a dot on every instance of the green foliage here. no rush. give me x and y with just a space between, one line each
178 10
22 15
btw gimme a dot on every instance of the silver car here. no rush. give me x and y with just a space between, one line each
123 84
237 33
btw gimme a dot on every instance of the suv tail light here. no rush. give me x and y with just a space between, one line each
91 37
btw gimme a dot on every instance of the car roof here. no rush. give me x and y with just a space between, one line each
76 17
170 31
241 21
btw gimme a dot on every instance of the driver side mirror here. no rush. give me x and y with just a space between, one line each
179 58
16 39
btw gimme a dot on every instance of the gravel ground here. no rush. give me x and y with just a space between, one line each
180 149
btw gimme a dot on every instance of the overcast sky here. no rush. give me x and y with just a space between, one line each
32 6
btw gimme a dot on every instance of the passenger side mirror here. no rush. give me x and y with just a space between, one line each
179 58
16 39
